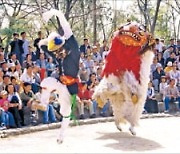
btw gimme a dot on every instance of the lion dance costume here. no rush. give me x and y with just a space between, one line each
126 74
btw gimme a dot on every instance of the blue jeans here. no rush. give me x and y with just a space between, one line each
167 100
7 118
104 109
49 115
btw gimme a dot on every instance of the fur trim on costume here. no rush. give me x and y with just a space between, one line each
119 91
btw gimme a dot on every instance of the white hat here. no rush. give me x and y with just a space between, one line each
158 65
169 63
4 92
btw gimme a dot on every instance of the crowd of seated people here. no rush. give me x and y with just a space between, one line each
24 67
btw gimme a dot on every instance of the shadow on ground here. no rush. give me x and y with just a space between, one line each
126 142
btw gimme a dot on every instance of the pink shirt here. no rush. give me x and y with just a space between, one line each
4 104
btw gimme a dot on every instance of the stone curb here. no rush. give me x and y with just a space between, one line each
31 129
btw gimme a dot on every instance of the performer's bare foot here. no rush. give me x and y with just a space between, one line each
131 129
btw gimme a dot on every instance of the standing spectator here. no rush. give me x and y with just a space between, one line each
83 48
25 45
171 94
36 42
17 47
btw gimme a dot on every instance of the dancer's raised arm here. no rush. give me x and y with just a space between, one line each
63 21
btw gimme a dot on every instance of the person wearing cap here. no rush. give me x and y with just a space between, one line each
168 68
17 47
96 55
12 70
7 117
157 76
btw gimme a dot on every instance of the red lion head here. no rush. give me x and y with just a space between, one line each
127 47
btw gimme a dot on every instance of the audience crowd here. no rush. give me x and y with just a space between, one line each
24 67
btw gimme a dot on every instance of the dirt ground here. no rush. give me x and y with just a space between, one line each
154 135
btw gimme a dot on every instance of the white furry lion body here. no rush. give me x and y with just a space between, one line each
119 89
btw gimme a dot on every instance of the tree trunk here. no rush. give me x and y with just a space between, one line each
84 20
94 22
155 16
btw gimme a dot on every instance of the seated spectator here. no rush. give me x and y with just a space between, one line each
83 73
12 71
89 64
28 76
157 76
13 59
2 124
6 81
162 86
175 74
48 111
28 61
168 68
171 94
15 105
96 55
84 99
160 59
50 66
27 98
1 80
7 118
42 62
54 101
151 105
172 58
